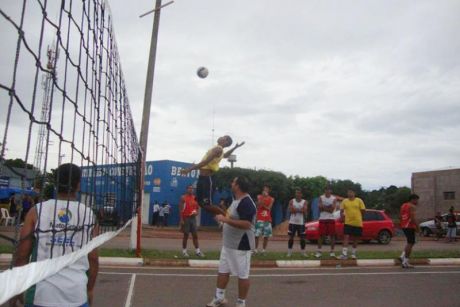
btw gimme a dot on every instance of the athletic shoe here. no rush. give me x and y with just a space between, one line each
343 257
199 254
255 252
217 303
406 265
318 255
332 255
289 254
263 253
238 304
185 255
354 257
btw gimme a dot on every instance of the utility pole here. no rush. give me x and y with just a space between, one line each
146 115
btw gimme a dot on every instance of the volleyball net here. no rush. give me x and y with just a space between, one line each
64 103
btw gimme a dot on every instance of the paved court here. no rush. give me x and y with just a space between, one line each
423 286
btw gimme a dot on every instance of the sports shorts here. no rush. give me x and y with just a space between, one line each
235 262
263 228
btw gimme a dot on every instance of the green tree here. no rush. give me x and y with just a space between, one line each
258 178
19 163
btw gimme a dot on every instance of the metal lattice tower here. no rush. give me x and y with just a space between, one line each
47 83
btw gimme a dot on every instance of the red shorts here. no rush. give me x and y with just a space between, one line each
327 227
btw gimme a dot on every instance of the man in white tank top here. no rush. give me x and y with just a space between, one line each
298 209
327 206
54 228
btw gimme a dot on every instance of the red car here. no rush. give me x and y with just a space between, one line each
376 226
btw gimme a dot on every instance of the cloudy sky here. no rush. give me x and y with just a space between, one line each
361 90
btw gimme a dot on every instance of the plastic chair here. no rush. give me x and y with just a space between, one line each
6 217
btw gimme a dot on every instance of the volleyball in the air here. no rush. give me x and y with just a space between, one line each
202 72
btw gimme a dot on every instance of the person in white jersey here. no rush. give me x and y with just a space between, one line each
54 228
327 206
237 243
298 209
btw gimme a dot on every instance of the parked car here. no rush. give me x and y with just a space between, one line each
376 226
429 227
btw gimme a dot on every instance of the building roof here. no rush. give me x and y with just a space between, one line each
16 172
433 172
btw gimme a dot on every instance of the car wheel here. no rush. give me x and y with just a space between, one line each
384 237
426 232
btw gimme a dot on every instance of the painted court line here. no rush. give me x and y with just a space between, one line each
332 268
129 298
289 275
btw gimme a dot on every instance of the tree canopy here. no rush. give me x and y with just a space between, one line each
283 187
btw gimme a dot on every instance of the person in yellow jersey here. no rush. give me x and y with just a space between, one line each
352 210
208 166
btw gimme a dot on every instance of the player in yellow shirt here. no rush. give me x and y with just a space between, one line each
208 166
351 210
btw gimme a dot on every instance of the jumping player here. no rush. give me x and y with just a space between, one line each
208 166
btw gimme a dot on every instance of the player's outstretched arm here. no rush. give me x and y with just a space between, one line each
228 153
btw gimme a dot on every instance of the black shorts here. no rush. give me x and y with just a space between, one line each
352 230
204 190
410 235
299 229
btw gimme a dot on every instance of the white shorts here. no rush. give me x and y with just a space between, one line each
236 262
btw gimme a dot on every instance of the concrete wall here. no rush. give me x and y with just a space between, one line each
430 186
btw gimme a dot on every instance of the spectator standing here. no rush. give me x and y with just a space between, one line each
409 225
298 208
188 208
327 205
156 213
351 211
451 226
264 218
161 216
167 211
439 226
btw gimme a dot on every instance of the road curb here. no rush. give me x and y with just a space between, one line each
445 261
121 261
203 263
376 262
298 263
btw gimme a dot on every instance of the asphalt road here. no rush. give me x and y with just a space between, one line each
422 286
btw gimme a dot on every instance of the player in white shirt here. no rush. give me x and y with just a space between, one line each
53 228
298 208
327 206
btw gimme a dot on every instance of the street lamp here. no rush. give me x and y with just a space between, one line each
231 159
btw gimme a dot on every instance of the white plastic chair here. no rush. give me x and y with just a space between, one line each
6 217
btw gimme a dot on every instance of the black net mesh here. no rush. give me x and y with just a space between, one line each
63 100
